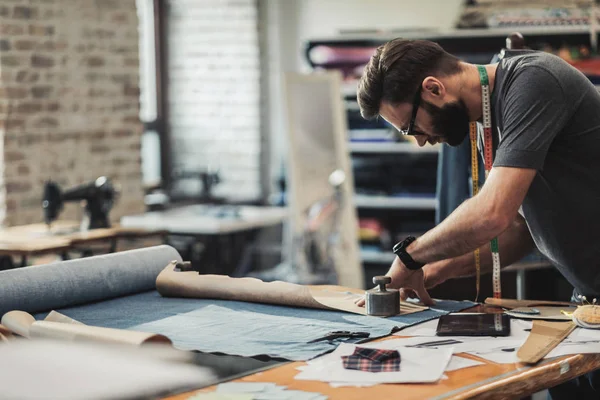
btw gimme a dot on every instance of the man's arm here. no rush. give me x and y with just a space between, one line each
478 220
515 243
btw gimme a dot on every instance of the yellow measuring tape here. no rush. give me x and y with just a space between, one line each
488 161
475 184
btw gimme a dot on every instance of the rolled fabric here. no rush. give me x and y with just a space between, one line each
174 281
62 284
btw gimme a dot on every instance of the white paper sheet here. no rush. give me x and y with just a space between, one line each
580 341
459 344
457 363
500 350
499 356
488 345
417 365
503 350
323 362
574 348
423 329
584 333
520 328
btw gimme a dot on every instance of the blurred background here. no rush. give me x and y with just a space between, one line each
172 116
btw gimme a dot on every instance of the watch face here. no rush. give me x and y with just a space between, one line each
403 244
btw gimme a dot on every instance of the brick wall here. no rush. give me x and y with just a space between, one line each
214 91
69 101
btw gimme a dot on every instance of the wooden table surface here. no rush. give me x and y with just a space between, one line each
487 381
37 239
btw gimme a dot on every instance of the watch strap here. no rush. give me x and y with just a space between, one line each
407 260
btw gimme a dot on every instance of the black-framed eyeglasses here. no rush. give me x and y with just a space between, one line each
411 126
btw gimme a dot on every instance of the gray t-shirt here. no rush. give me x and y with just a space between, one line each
547 117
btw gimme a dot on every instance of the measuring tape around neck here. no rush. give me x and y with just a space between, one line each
488 161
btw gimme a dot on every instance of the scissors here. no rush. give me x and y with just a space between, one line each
341 334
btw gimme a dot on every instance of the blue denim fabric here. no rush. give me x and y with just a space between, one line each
239 328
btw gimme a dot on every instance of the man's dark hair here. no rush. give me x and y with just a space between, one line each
396 70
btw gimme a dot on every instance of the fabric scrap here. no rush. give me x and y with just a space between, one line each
373 360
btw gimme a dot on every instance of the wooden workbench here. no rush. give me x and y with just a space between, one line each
38 239
487 381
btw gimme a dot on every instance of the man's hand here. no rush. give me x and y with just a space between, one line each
409 282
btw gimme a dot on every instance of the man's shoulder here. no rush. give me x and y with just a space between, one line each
522 58
538 70
516 61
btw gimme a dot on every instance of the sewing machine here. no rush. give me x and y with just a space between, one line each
99 196
208 177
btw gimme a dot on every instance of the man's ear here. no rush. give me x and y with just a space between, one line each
433 88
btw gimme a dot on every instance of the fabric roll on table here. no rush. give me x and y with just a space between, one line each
81 281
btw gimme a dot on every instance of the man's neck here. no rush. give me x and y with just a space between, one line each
470 91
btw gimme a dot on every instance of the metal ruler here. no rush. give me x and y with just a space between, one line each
488 162
512 303
544 336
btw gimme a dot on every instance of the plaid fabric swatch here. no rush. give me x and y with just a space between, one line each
372 360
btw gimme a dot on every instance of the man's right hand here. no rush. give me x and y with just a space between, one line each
411 283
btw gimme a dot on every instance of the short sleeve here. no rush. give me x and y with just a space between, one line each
535 110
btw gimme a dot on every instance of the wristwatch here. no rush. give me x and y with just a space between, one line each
407 260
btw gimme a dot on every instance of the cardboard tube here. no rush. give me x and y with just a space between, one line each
18 322
5 332
172 282
55 316
190 284
76 332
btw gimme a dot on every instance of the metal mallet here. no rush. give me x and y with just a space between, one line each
380 301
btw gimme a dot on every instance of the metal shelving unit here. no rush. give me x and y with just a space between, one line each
414 203
391 147
384 36
377 257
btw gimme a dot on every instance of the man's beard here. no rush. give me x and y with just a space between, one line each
450 122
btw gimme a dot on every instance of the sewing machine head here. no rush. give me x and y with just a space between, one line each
208 177
99 196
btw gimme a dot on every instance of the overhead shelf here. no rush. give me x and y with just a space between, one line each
416 203
384 36
370 135
390 147
350 88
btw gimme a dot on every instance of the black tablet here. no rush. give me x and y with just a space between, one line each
474 325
